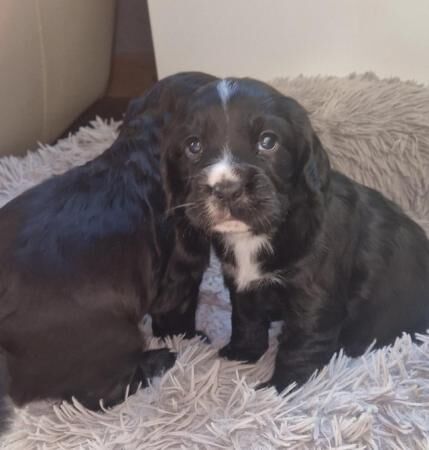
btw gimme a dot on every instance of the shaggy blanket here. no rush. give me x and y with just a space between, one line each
376 131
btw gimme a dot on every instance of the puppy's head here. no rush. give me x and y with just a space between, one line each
239 155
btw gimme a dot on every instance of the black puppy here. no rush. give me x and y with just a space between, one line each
341 264
84 255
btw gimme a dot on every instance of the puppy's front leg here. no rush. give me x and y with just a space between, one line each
175 307
300 353
250 325
180 317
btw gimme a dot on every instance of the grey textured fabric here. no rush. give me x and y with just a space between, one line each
377 131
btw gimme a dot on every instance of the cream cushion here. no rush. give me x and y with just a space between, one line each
54 62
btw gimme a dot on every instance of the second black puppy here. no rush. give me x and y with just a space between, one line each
84 255
341 264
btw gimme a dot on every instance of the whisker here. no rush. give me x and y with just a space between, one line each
183 205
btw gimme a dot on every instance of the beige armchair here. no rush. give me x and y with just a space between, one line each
54 62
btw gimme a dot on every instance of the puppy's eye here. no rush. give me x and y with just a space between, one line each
193 146
268 141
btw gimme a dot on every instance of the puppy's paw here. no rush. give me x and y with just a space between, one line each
264 385
239 354
203 336
279 386
154 363
188 334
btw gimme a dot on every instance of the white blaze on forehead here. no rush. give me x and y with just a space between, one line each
223 170
226 89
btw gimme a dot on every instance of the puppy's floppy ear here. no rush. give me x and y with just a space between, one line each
313 162
317 167
174 181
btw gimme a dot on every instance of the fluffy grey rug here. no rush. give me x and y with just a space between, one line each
377 131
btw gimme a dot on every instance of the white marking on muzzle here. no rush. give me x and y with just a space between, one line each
222 170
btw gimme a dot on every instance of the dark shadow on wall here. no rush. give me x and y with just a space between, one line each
133 65
133 68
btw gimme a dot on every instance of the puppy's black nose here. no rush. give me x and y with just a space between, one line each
228 190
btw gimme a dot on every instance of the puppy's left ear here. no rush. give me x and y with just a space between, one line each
317 168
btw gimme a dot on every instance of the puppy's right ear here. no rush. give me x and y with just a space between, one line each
174 177
174 172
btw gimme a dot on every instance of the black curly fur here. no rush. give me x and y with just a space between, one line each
84 255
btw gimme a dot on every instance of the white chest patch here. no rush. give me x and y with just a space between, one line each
246 247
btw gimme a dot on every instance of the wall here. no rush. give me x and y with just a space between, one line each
269 38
